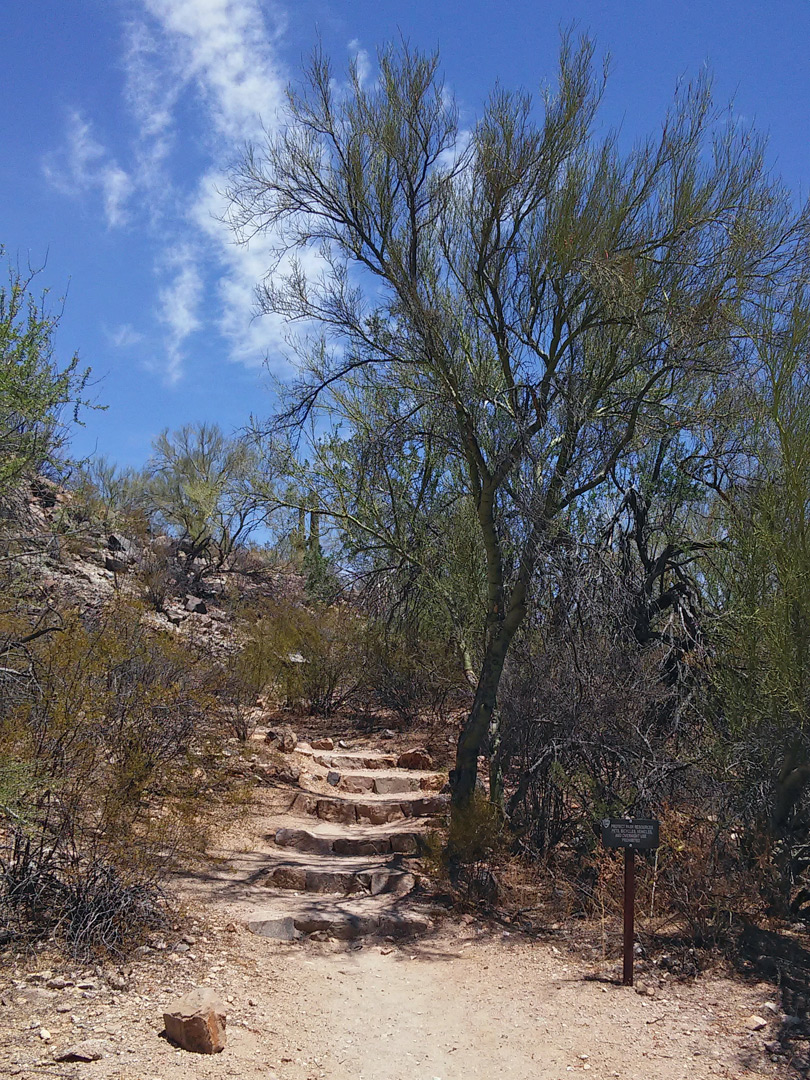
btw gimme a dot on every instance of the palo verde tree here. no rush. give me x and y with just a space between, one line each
202 485
35 389
538 299
763 669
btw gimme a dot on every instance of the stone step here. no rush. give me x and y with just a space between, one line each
368 810
348 759
323 840
293 917
370 782
373 881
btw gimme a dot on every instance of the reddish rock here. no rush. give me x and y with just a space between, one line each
196 1021
418 758
357 785
322 744
341 813
379 813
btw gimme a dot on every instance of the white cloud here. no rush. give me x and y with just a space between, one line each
124 336
179 304
362 59
226 48
83 164
201 77
223 52
152 88
251 339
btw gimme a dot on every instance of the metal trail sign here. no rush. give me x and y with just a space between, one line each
632 834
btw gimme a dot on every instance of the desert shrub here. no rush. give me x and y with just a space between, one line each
94 906
157 577
409 678
311 658
98 767
475 838
696 887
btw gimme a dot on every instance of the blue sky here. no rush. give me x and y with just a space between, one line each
120 116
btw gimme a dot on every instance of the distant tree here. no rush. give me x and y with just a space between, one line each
539 302
113 495
201 485
35 389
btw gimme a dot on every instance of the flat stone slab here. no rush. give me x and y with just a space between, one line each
343 920
350 760
329 840
339 880
351 810
280 929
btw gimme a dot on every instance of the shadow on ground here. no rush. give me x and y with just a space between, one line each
777 958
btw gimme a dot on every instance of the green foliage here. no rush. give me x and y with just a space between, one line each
112 497
311 659
35 389
762 672
410 678
204 487
99 762
546 305
321 581
476 832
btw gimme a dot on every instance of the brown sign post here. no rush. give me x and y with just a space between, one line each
632 834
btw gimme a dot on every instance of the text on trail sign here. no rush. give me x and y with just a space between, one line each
640 834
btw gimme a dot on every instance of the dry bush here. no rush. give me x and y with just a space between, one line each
697 886
101 761
409 679
476 839
311 659
157 576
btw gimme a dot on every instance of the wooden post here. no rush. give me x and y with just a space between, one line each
629 914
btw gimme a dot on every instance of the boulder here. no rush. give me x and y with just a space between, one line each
322 744
283 738
196 1021
196 605
124 547
333 778
116 565
283 929
418 758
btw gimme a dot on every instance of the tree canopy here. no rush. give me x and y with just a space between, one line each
520 309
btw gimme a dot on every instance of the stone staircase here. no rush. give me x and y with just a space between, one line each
342 856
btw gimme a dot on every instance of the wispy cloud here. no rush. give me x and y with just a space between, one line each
222 52
124 336
178 306
362 59
227 48
201 78
83 165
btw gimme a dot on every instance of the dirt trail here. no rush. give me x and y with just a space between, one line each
371 983
467 1009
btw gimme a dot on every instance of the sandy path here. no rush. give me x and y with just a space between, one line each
484 1010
